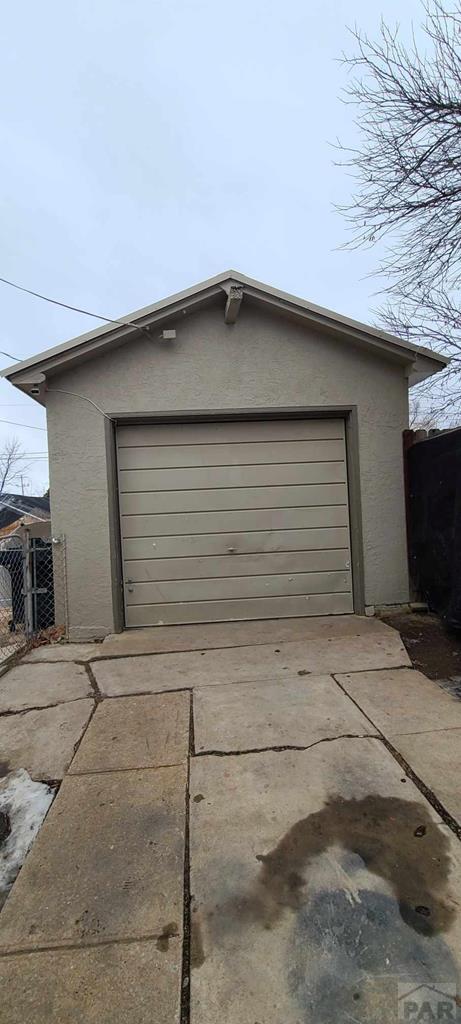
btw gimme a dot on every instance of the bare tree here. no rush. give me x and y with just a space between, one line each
12 463
407 169
422 418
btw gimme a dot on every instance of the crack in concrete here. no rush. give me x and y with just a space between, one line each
207 650
232 682
186 931
145 693
222 647
441 810
53 661
83 733
111 771
285 746
98 696
445 815
44 707
192 726
358 671
427 732
292 672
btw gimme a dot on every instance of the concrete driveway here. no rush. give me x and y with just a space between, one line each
257 823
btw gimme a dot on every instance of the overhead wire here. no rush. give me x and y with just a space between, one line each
29 425
17 359
75 309
74 394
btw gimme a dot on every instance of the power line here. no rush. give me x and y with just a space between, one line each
30 425
75 309
17 359
84 398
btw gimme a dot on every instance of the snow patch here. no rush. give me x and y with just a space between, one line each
26 803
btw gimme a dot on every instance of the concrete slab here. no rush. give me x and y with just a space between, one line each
136 983
61 652
250 716
43 741
261 662
161 639
436 759
108 863
40 686
136 732
320 881
402 701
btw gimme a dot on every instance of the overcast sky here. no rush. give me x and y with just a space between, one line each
148 145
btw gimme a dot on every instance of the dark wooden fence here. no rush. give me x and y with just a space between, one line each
433 491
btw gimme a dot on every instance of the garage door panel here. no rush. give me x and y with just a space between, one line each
228 499
205 477
234 520
266 452
252 519
253 608
172 548
151 569
241 431
238 587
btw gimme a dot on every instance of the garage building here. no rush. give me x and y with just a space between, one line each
232 452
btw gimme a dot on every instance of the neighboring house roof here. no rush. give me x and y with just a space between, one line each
232 287
14 506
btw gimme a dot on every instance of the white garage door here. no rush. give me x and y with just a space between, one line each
239 520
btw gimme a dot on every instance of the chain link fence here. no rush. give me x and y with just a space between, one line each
33 595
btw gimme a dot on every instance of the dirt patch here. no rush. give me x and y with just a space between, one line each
432 647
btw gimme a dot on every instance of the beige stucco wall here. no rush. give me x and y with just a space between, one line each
263 361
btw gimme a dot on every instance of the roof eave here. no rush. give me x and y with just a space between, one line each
426 365
93 342
108 333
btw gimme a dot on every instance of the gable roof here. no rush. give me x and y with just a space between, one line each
423 361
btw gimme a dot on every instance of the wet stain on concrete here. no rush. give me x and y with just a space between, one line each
357 953
170 931
197 953
396 839
198 798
